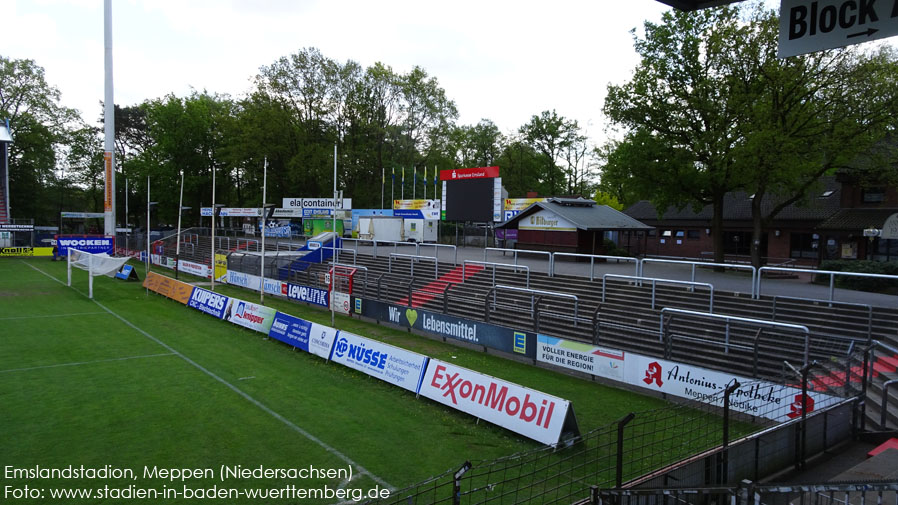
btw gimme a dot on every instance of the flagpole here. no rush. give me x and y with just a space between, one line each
383 183
414 180
403 183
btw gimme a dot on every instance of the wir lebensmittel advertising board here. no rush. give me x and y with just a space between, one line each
457 328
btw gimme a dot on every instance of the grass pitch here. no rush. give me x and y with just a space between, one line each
137 382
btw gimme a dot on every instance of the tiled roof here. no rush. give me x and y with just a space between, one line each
583 215
857 219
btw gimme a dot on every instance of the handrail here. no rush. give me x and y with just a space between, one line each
436 251
885 402
595 324
592 261
357 267
832 276
541 292
831 303
412 259
335 252
494 265
736 266
396 245
760 322
446 296
515 253
656 280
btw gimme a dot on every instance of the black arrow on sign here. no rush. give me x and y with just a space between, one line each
867 32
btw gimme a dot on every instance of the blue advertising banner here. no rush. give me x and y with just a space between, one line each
291 330
390 364
315 296
86 243
209 302
466 330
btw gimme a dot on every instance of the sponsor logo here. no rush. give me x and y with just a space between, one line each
797 406
307 294
653 374
360 353
70 242
520 342
208 299
279 326
492 396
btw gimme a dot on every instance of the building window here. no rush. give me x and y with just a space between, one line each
737 242
651 233
873 195
885 250
693 234
680 234
666 233
804 245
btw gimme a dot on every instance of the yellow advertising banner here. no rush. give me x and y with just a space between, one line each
415 204
521 203
221 266
26 251
168 287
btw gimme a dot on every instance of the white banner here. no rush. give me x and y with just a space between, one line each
197 269
321 340
390 364
607 363
341 302
248 281
762 399
528 412
250 315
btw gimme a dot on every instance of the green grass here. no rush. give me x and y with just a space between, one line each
158 409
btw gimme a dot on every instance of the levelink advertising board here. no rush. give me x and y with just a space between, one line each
86 243
466 330
307 294
534 414
599 361
310 337
250 315
390 364
209 302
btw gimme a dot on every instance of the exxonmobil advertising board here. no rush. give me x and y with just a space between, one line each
310 337
250 315
525 411
209 302
390 364
762 399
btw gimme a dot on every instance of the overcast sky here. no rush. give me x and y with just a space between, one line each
500 60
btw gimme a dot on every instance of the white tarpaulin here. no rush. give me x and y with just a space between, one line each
97 264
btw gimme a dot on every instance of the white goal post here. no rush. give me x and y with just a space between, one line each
95 264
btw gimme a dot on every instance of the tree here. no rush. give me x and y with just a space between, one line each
550 135
40 126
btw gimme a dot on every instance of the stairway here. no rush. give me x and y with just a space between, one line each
436 287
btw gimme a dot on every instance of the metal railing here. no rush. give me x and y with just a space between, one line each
754 271
534 300
830 303
437 247
592 261
465 263
515 252
414 259
747 320
655 281
357 267
832 276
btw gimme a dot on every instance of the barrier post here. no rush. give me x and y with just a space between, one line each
724 454
619 474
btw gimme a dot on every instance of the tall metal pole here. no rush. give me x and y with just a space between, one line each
147 272
383 183
213 230
334 237
109 123
127 226
264 227
178 244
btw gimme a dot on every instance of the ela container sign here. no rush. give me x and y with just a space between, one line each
525 411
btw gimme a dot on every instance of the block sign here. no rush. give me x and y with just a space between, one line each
807 26
528 412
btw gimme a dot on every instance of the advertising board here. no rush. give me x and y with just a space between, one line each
250 315
465 330
599 361
756 398
249 281
168 287
26 251
93 244
390 364
315 296
525 411
209 302
305 335
198 269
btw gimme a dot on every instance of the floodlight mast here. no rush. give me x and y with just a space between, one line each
109 123
264 226
178 239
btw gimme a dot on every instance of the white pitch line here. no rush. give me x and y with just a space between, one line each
52 315
237 390
78 363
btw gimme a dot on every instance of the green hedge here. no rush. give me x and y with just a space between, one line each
861 283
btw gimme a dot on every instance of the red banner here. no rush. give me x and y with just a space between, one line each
459 174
